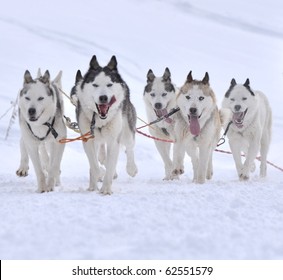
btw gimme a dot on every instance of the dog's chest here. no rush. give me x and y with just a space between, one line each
108 129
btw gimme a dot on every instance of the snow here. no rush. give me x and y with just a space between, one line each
146 217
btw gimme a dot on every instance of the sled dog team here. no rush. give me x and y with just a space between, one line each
104 108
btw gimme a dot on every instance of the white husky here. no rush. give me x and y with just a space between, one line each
160 98
250 130
197 129
104 108
42 125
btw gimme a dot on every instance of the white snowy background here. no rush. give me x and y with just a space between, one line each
146 217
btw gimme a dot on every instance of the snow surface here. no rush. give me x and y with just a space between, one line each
145 218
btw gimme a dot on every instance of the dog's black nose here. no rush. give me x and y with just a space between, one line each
158 106
103 98
237 107
31 111
193 111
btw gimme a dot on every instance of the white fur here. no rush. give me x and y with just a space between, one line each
158 94
45 155
254 135
110 131
199 147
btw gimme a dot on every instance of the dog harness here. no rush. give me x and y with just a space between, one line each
50 129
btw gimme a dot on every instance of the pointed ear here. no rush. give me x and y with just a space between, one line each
150 76
247 86
78 76
93 63
247 83
28 78
46 77
167 75
57 79
233 82
205 80
112 65
189 77
38 73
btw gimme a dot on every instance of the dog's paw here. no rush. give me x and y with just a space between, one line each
22 171
177 171
244 174
106 190
132 170
171 177
92 189
200 180
209 175
244 177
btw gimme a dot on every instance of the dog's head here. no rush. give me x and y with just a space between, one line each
159 92
102 88
196 101
37 98
239 98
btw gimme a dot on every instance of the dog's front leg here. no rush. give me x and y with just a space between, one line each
235 146
164 151
111 162
204 153
178 159
24 165
33 152
56 154
250 157
91 150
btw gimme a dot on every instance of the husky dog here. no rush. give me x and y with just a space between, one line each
160 98
250 118
105 109
41 123
197 130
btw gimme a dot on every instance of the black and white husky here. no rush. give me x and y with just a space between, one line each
250 116
105 109
42 125
160 98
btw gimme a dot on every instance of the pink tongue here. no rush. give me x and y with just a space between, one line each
162 112
194 125
103 109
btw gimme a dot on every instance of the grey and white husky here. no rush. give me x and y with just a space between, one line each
250 130
42 125
105 109
198 128
160 98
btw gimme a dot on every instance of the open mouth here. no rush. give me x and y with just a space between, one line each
238 118
161 113
33 118
194 124
103 108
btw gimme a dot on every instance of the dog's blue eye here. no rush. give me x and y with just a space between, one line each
188 97
109 85
164 94
27 98
244 98
40 98
152 94
201 98
95 85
